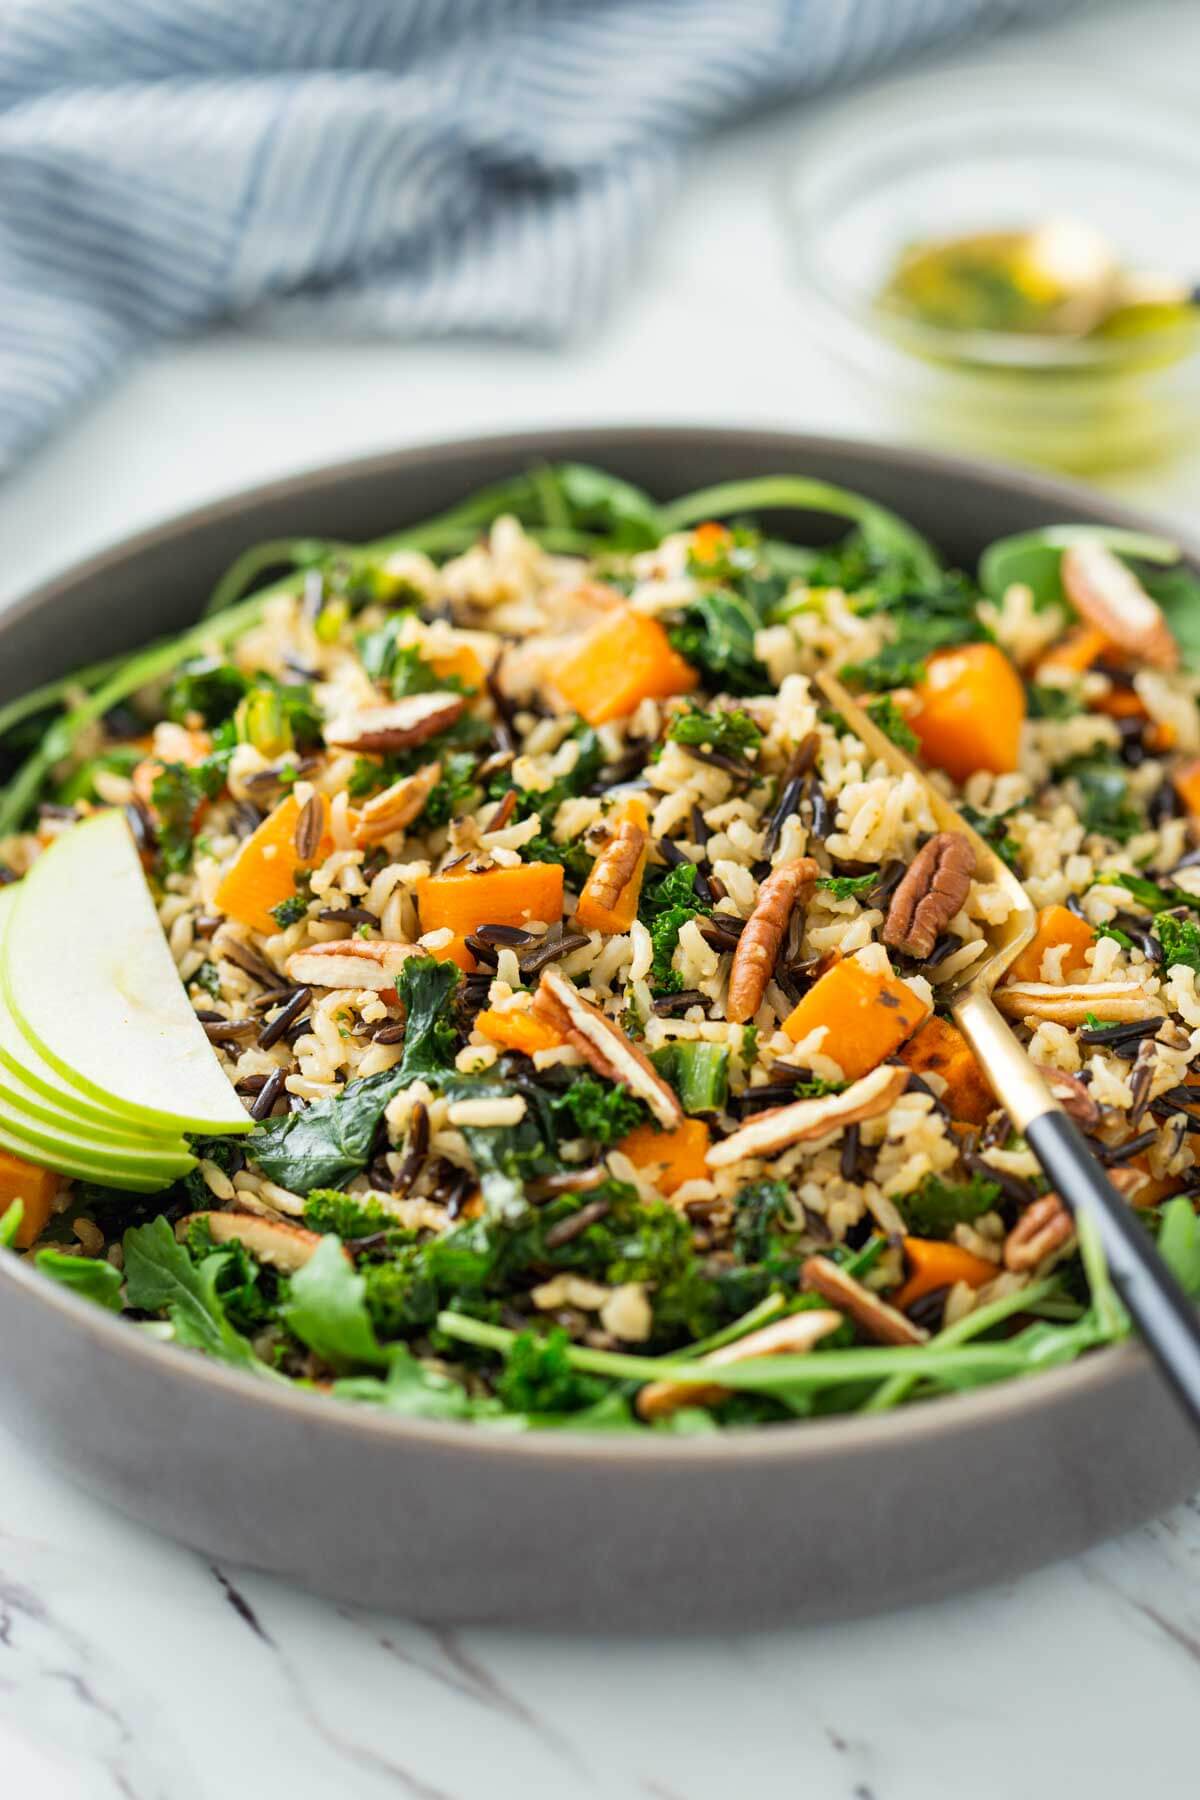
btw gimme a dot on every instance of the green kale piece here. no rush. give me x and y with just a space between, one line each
698 1072
179 793
537 1378
599 1110
664 907
331 1211
815 1087
1148 893
208 979
937 1206
717 638
205 685
90 1277
732 733
1105 804
160 1276
575 859
1180 939
331 1140
991 828
928 619
759 1205
891 721
848 887
1052 702
290 911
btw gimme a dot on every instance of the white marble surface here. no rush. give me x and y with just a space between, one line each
129 1669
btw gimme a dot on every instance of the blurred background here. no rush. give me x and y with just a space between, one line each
241 239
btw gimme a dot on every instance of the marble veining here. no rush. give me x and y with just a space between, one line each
131 1669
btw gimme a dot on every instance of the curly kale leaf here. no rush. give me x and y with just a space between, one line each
665 906
1180 939
732 733
716 637
206 686
936 1206
179 794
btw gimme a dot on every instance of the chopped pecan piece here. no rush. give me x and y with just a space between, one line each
310 828
1070 1004
613 869
1107 594
397 806
273 1241
791 1336
395 724
770 1132
352 963
1071 1093
879 1320
603 1045
762 934
1042 1228
930 894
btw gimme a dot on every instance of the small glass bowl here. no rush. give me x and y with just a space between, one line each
1002 147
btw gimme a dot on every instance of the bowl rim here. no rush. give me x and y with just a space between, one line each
852 1434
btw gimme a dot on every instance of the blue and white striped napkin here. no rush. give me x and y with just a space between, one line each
409 167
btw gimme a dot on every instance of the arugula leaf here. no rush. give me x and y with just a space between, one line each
937 1206
10 1223
593 500
326 1309
717 637
90 1277
1179 1243
416 1392
1180 939
160 1276
1035 557
733 733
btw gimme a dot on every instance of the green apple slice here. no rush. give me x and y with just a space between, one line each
91 983
84 1157
38 1090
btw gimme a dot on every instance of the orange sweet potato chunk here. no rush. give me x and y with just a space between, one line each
941 1049
868 1016
263 874
968 711
462 900
34 1187
677 1156
1056 925
518 1031
628 658
932 1264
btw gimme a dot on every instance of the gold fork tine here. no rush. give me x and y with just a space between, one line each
1165 1316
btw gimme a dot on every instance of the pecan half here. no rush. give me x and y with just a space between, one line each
762 934
352 963
791 1336
397 806
1070 1004
770 1132
396 724
613 869
879 1320
273 1241
1107 594
930 894
603 1045
1072 1094
1042 1228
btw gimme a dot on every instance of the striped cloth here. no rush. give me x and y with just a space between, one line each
367 166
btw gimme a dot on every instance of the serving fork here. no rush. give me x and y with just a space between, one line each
1166 1318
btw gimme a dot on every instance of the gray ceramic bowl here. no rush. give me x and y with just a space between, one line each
449 1522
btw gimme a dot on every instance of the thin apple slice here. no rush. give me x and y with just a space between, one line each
38 1090
142 1170
91 983
24 1102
